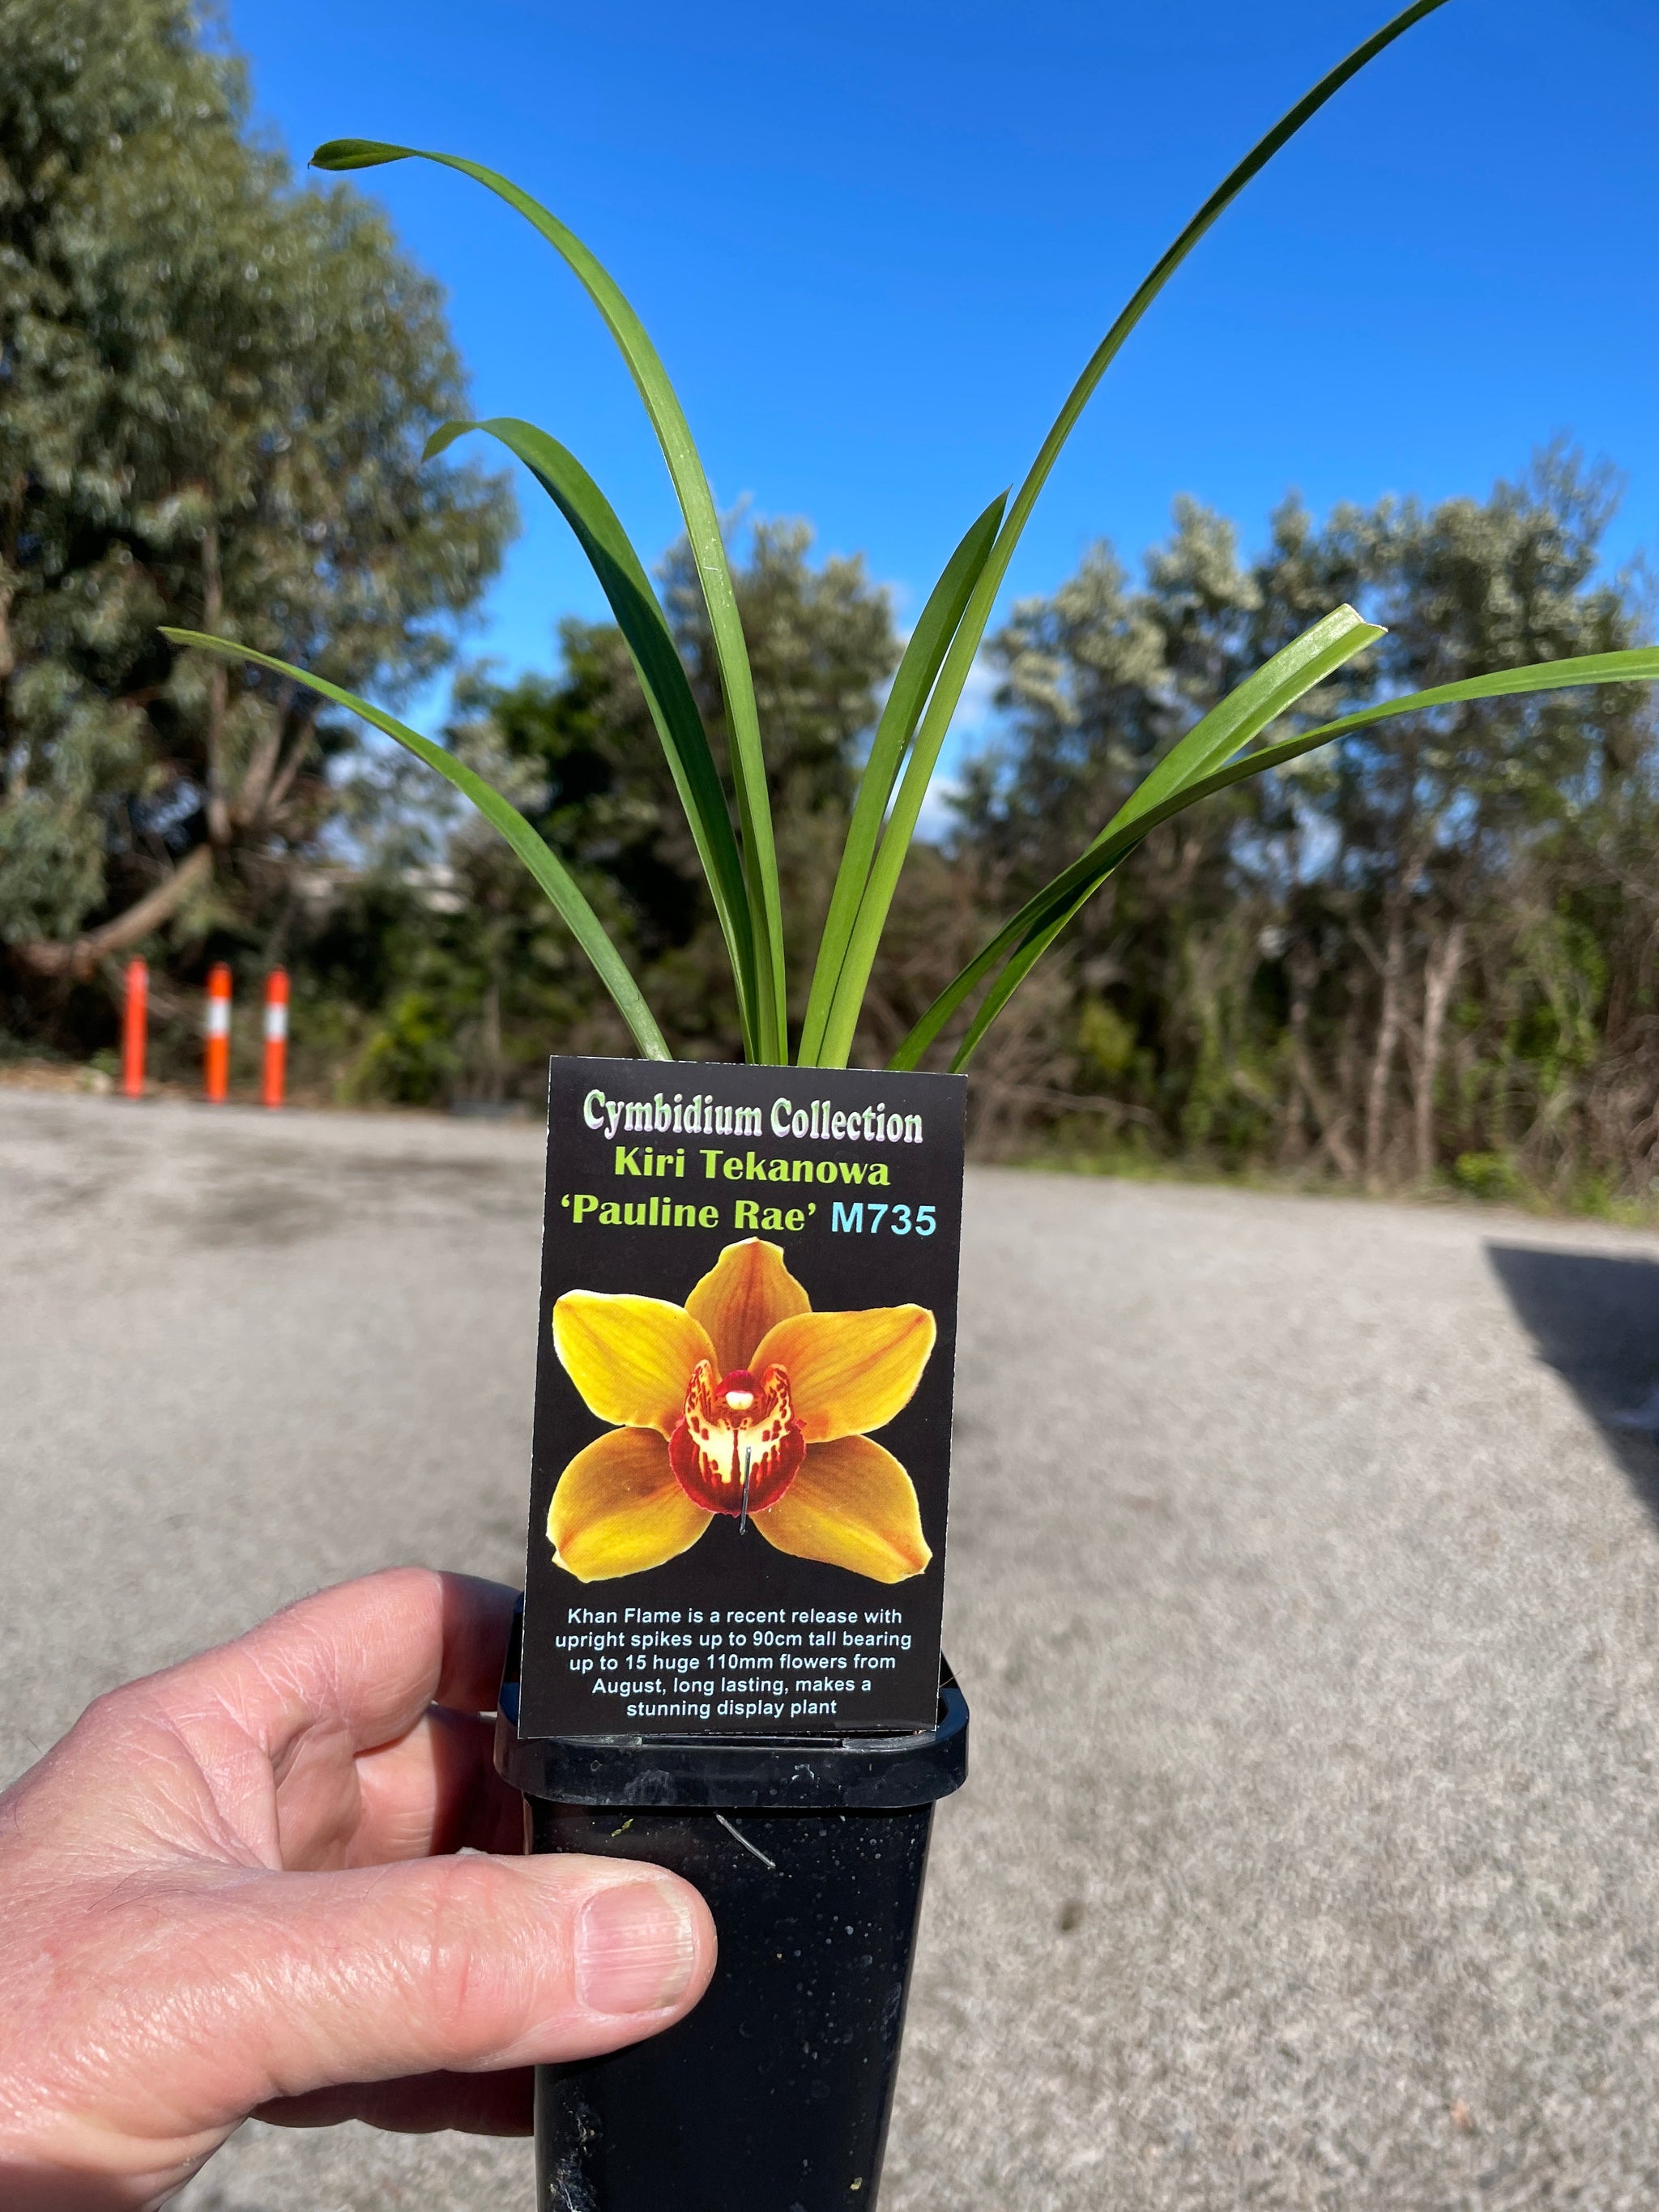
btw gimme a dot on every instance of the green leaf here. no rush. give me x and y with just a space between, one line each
445 436
924 650
356 153
1639 665
1261 698
1237 720
1234 721
964 644
707 546
543 863
662 677
1024 938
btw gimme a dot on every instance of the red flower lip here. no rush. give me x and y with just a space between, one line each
737 1446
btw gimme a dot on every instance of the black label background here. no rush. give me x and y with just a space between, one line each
724 1570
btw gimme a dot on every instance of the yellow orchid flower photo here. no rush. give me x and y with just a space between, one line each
742 1403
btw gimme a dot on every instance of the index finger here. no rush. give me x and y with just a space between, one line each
364 1659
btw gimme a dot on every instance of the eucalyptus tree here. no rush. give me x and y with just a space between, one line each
1297 954
214 392
1434 823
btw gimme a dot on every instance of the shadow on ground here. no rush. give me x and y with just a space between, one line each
1595 1318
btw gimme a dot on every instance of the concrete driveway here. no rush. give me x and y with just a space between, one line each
1304 1586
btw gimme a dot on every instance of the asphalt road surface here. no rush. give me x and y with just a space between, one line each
1304 1583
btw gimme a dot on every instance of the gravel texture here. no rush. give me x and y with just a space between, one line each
1303 1581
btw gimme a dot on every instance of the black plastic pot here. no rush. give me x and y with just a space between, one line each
774 2094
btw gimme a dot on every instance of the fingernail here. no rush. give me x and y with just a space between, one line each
636 1948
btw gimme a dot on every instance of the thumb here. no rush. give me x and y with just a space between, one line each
462 1964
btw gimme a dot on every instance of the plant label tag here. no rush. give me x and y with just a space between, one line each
742 1451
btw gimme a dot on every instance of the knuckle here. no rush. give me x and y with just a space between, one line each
486 1953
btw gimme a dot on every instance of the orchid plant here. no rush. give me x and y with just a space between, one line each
739 856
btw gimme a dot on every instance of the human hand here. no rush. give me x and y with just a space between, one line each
232 1889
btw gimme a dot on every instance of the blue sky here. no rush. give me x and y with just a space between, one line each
874 243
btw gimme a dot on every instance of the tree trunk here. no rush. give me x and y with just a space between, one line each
492 1041
79 958
1439 974
1388 1037
1292 1142
1330 1115
218 802
1332 1119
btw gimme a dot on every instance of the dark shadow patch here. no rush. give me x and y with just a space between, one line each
271 1196
261 1214
462 1178
373 1173
51 1195
1595 1318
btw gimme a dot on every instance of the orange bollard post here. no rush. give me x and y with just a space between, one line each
135 1023
276 1036
216 1058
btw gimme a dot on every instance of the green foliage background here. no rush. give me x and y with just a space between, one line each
214 392
1427 953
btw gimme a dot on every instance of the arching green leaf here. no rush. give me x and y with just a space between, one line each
707 547
965 644
917 670
1021 940
662 677
543 863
